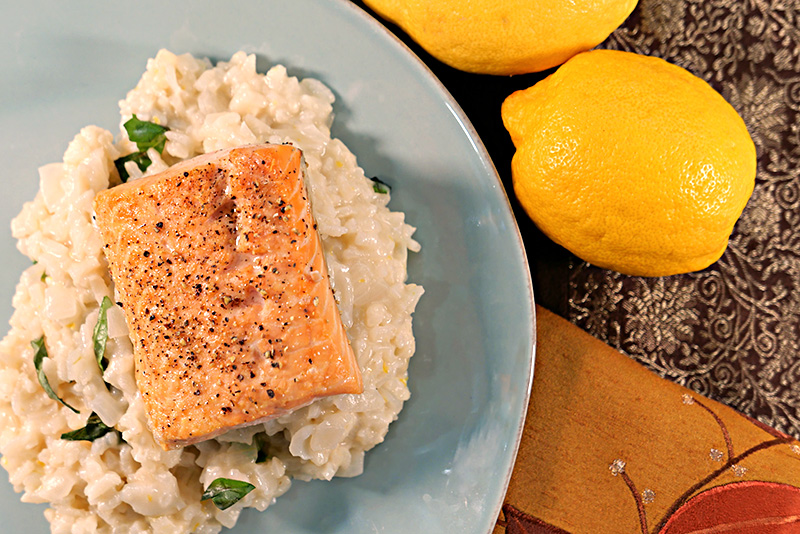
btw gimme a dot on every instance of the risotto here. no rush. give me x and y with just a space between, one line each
123 481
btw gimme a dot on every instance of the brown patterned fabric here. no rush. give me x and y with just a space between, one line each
731 331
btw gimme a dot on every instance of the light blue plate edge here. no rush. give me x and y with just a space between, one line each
480 148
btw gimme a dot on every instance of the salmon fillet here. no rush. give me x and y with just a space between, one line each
219 269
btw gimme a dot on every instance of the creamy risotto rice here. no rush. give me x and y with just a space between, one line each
131 484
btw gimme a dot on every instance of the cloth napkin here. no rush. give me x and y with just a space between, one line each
609 447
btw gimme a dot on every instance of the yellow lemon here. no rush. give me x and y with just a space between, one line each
630 162
505 36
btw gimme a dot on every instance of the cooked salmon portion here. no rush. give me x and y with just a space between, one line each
219 269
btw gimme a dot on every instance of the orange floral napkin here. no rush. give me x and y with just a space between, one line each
609 447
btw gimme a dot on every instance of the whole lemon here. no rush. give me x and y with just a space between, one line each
630 162
505 36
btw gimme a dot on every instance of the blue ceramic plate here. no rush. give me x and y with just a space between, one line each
445 463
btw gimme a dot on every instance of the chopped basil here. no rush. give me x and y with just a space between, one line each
379 186
39 354
43 277
94 429
141 160
262 448
146 135
100 336
225 492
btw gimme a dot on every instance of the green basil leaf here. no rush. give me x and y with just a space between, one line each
141 160
262 448
100 336
379 186
94 429
146 134
39 354
225 492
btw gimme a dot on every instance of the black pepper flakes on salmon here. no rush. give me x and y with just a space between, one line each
213 294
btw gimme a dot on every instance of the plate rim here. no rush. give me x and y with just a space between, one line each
483 153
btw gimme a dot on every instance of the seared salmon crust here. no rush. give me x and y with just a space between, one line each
220 271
